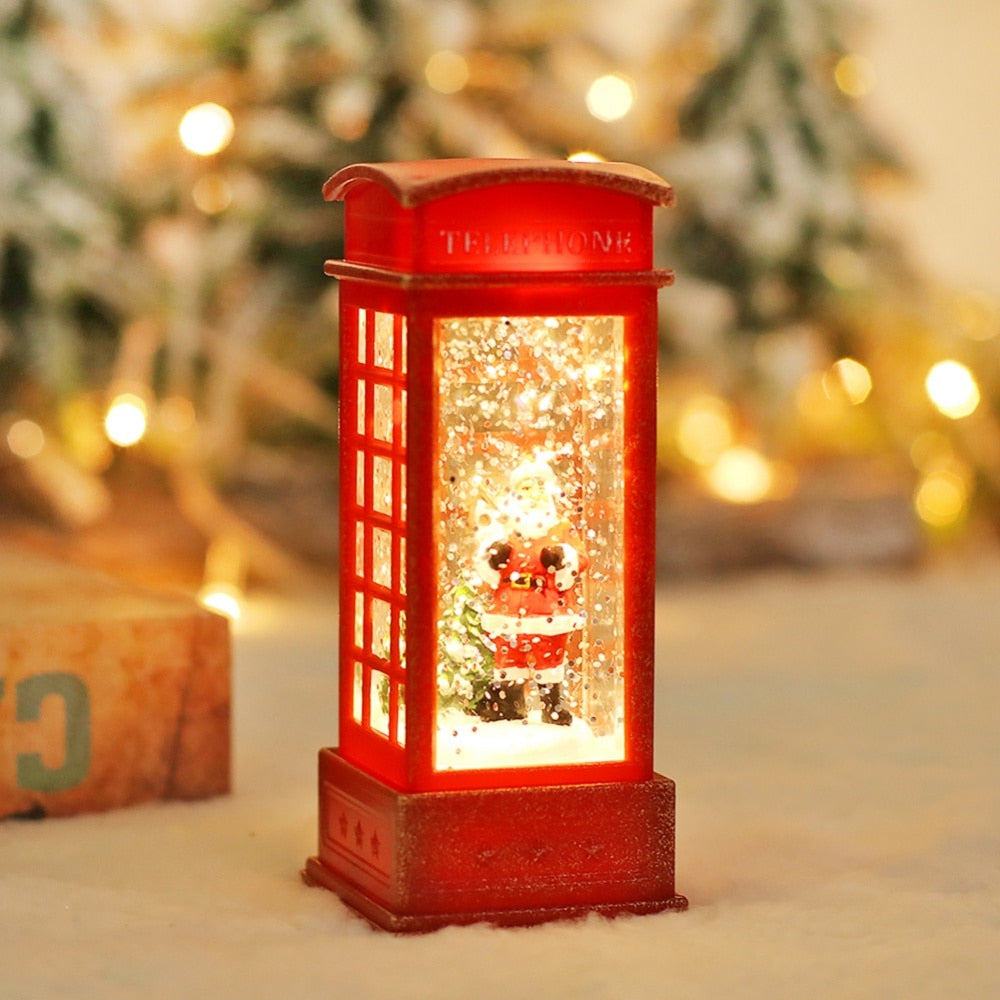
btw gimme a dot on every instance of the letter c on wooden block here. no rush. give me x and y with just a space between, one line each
32 773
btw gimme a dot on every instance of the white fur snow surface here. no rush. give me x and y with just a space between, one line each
836 746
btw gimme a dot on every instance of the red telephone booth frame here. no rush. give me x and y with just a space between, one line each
460 238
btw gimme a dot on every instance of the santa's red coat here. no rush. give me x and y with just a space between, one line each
531 611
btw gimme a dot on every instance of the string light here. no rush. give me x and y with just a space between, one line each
447 72
126 420
206 129
952 389
610 97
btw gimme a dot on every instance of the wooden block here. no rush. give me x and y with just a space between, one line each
109 694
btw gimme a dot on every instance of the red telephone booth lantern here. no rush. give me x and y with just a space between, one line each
498 419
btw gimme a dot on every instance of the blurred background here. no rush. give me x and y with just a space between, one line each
829 378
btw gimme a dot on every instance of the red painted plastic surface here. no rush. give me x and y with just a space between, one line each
410 846
499 216
414 862
412 769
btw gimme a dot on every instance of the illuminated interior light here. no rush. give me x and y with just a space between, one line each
447 72
610 97
704 429
941 499
126 420
854 75
595 371
586 156
25 438
850 378
206 129
741 475
952 389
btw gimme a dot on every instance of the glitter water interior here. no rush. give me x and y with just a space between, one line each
516 390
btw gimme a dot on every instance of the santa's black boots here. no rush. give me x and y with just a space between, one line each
552 709
503 700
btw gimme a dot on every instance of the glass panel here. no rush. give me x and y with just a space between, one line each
380 629
361 408
531 499
382 485
359 549
362 336
358 691
384 337
379 694
359 620
381 557
401 717
359 479
382 415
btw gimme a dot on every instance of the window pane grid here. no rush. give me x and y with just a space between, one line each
378 578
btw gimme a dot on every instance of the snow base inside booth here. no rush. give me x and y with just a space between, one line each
464 743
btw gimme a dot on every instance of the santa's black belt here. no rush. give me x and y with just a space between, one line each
525 581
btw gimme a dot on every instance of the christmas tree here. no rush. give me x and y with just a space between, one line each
62 275
65 275
794 384
774 156
167 171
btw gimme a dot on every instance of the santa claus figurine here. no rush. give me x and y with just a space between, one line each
531 564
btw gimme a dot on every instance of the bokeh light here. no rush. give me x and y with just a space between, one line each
849 377
855 75
610 97
447 72
212 194
952 389
126 420
704 429
942 498
224 598
206 129
25 438
741 475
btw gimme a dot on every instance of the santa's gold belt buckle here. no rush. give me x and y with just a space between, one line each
526 582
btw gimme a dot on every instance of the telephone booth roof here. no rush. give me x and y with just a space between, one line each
497 216
419 181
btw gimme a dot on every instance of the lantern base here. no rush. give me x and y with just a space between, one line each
514 856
